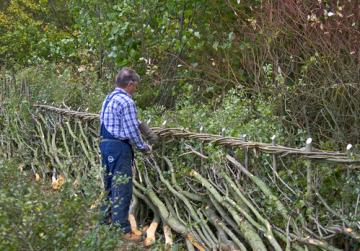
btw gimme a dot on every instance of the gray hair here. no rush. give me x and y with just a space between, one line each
125 76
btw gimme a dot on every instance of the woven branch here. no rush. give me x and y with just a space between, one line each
335 157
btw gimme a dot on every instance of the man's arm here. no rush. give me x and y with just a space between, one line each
131 127
149 135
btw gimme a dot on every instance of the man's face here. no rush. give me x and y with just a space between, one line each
132 87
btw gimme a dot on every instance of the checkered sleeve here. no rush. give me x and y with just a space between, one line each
131 127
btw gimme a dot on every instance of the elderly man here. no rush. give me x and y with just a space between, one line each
119 131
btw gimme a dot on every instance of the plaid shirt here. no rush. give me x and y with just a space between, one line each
120 118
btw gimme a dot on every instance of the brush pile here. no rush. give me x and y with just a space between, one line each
209 196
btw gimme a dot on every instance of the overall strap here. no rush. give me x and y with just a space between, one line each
108 99
102 130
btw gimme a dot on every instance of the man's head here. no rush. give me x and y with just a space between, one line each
127 79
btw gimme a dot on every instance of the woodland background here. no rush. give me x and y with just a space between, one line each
287 68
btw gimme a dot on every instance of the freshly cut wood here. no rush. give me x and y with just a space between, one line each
132 219
58 182
168 238
133 225
151 231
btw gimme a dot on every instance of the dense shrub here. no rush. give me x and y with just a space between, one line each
34 217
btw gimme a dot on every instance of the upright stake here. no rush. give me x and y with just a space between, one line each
309 189
348 150
246 152
273 142
350 155
201 129
163 148
2 91
223 130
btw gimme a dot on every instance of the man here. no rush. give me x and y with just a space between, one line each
119 131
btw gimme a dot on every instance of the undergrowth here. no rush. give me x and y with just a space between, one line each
35 217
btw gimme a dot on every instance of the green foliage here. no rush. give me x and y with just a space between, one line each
254 68
31 33
64 86
200 50
34 217
236 113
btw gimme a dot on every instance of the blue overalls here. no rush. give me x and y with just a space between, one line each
117 157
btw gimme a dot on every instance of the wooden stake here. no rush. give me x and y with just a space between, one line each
150 232
273 142
168 238
133 225
309 186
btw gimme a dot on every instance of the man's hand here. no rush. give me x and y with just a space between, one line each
147 150
148 133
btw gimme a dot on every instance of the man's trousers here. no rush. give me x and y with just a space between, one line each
117 158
